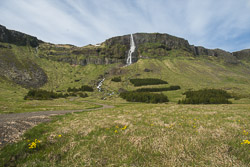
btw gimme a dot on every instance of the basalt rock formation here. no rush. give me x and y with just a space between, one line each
17 38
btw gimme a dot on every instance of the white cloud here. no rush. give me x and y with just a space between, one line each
211 23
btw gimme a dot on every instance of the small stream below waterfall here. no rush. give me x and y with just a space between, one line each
128 62
100 85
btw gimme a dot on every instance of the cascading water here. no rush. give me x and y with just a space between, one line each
100 85
129 60
131 50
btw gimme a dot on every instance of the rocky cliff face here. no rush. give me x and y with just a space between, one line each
171 42
115 50
242 55
23 72
227 56
148 45
17 38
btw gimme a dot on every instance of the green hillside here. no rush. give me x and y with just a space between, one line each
131 133
186 71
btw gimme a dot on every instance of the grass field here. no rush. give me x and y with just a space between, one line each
139 135
134 134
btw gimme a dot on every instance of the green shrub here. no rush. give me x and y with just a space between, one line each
206 96
82 88
147 81
144 97
158 89
42 95
38 94
116 79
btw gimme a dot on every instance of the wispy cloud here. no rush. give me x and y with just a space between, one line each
211 23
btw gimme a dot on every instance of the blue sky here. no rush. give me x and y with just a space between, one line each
221 24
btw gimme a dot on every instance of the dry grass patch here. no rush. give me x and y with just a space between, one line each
148 135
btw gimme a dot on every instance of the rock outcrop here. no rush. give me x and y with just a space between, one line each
226 56
242 55
23 72
17 38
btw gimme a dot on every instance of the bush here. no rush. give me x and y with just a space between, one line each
144 97
42 95
147 81
82 88
206 96
158 89
38 94
116 79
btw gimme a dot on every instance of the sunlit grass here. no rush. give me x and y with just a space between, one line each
144 135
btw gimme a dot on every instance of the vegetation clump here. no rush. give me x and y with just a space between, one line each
206 96
158 89
82 88
145 97
147 81
116 79
37 94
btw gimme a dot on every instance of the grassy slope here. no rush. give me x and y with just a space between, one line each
156 135
189 73
60 77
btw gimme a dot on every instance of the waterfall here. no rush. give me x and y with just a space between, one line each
131 50
100 85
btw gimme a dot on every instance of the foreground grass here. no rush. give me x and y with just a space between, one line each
139 135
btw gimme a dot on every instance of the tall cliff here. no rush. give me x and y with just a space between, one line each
15 64
115 50
17 38
148 45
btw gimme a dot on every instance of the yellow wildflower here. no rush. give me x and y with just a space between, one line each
59 136
245 142
32 145
116 131
245 132
124 127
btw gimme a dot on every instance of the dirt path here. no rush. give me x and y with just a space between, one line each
12 126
